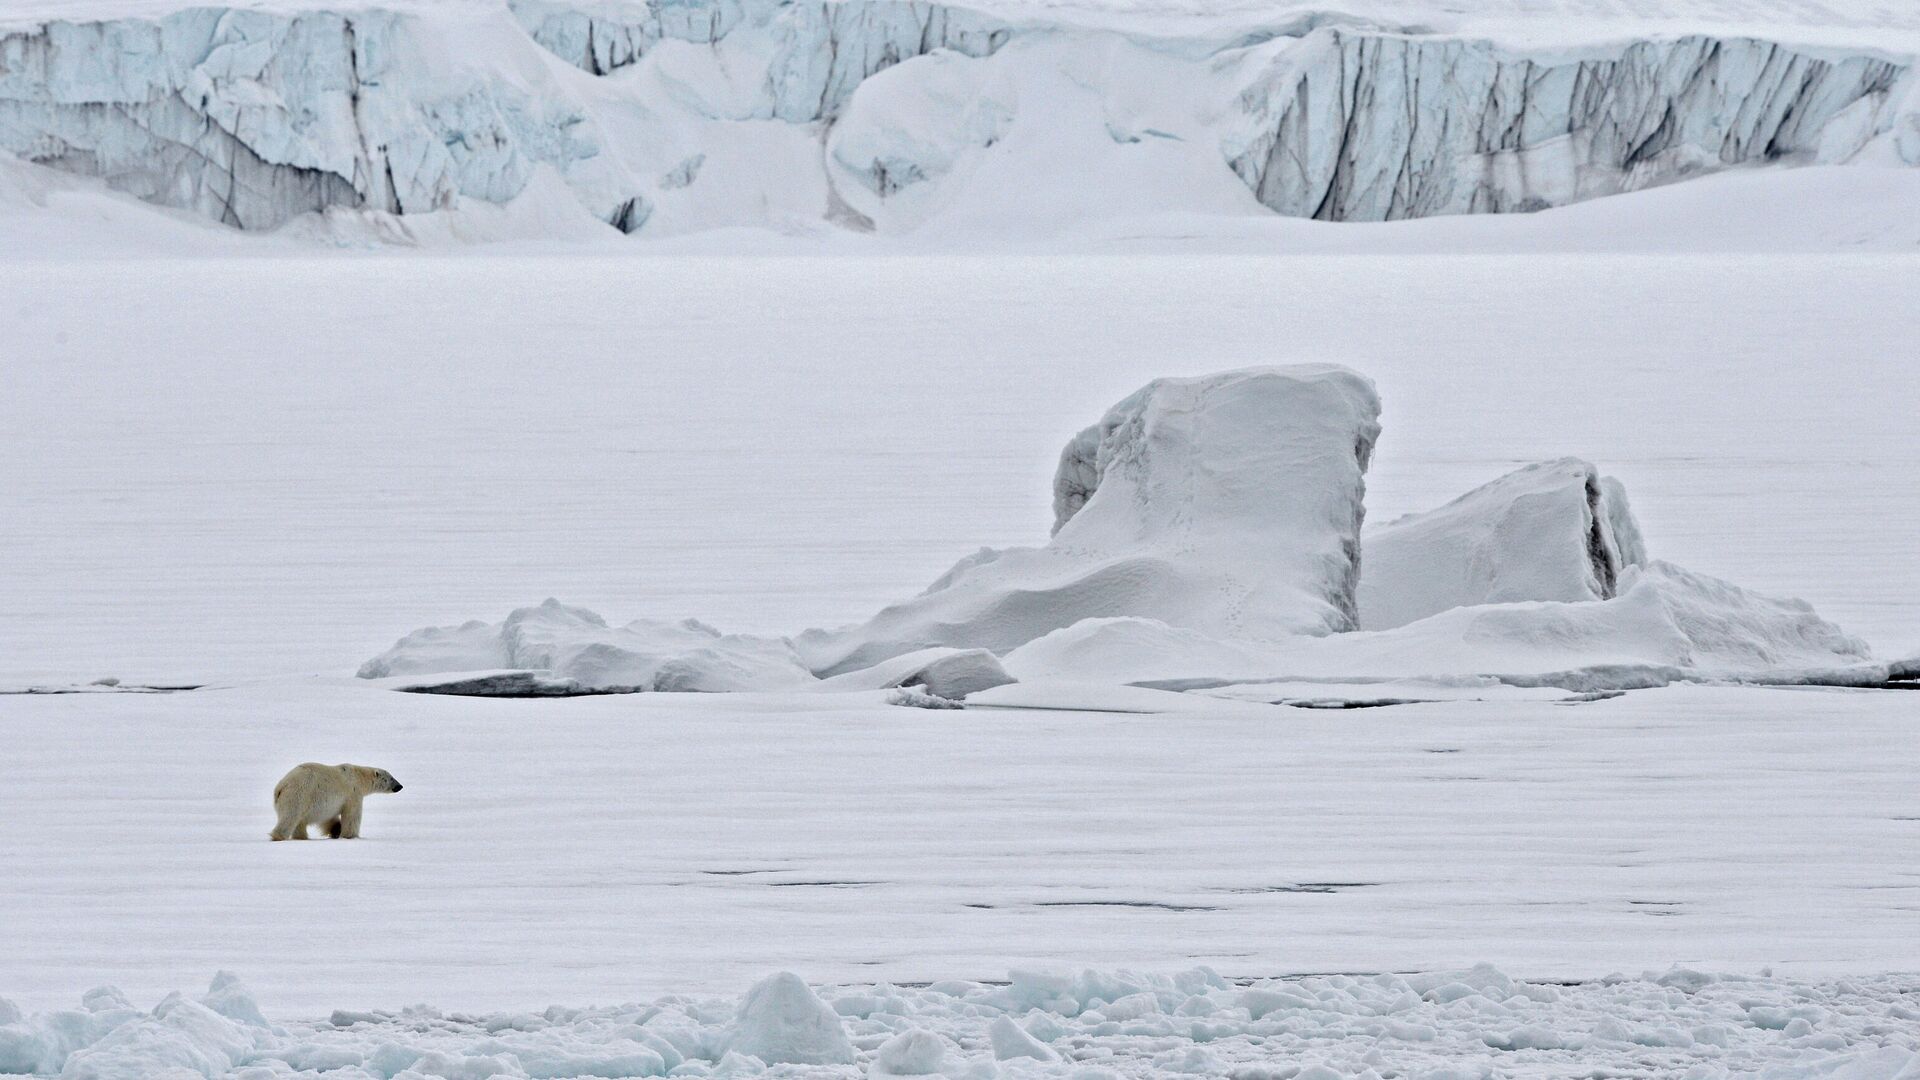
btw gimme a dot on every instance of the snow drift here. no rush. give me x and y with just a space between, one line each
1229 504
884 114
1556 530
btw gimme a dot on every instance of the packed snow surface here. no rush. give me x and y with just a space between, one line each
615 849
1439 1025
1228 503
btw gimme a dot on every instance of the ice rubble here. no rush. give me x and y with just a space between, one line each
881 113
1230 504
1474 1022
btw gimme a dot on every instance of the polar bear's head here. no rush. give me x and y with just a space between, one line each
371 781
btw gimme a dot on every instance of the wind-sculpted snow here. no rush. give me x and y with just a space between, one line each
1230 504
1036 1026
1367 127
889 114
1556 530
253 117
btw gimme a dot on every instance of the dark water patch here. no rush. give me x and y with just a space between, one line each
514 684
1154 905
1304 887
820 884
1348 703
100 688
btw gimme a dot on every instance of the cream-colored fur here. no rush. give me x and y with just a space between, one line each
328 796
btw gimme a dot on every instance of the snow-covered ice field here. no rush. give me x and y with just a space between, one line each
603 849
256 469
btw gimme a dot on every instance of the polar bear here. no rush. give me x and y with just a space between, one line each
328 796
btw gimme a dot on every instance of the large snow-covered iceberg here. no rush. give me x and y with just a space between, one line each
1555 530
678 115
1229 504
1209 530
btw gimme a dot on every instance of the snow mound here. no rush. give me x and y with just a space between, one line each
577 647
1556 530
1230 504
782 1021
1665 624
914 1052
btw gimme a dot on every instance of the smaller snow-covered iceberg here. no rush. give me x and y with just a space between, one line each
574 650
1230 504
1555 530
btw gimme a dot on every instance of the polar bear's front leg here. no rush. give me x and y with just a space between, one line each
350 820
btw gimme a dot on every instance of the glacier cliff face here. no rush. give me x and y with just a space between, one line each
818 52
684 114
254 117
1368 127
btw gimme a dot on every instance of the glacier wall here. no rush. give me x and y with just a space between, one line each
1369 127
678 115
253 117
819 51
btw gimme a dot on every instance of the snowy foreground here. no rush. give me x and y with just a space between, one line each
614 849
1086 1026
